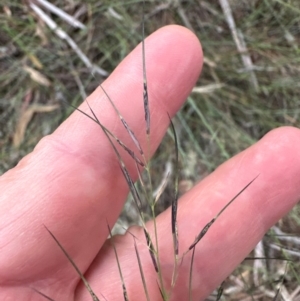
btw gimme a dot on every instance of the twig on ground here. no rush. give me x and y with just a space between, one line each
284 236
64 36
164 181
259 265
295 294
286 250
239 42
60 13
208 88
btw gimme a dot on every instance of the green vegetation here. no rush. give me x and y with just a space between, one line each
236 101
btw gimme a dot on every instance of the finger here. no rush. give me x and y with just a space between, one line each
72 182
275 158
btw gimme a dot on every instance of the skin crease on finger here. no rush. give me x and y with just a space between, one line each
274 159
72 182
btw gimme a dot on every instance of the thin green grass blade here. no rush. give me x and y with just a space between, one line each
125 294
85 282
164 298
208 126
141 271
191 136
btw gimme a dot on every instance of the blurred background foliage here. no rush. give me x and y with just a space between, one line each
237 103
249 84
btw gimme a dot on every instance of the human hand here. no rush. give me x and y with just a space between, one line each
72 183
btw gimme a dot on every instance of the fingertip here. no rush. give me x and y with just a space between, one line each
277 151
184 59
175 36
174 60
285 136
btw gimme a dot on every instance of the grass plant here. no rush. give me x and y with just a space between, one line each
232 106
